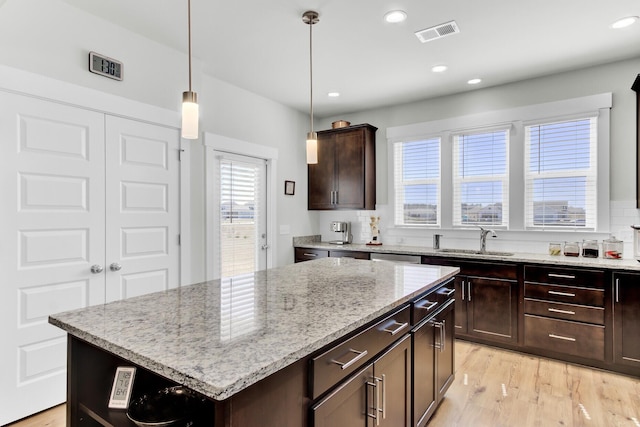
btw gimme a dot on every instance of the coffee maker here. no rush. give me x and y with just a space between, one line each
342 230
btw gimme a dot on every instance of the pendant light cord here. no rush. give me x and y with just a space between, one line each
311 71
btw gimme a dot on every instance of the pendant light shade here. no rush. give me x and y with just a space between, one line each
312 148
310 18
190 109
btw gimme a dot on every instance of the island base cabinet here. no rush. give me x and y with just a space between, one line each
433 363
377 395
445 354
90 373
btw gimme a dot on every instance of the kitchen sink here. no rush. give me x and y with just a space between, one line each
473 252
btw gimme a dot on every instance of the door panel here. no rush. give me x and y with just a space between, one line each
347 406
143 177
53 214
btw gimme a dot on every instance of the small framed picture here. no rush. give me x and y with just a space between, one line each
289 188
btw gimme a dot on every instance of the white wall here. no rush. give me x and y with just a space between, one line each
51 38
616 78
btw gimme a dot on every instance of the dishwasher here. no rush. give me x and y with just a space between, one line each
401 259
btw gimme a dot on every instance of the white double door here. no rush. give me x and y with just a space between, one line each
89 213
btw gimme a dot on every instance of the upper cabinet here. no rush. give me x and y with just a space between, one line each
345 175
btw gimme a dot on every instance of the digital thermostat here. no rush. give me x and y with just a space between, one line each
105 66
122 386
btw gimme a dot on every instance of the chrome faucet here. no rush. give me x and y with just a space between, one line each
483 238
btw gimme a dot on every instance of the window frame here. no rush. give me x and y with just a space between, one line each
590 174
599 105
399 211
457 182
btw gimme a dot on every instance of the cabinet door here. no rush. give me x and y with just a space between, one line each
392 393
424 391
321 176
445 355
492 306
348 405
461 304
626 315
349 186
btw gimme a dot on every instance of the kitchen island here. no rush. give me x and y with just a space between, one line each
251 345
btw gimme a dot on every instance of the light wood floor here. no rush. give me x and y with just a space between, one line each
496 388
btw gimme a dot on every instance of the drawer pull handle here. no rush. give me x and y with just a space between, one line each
400 327
562 276
563 294
306 254
346 365
556 310
448 292
423 304
560 337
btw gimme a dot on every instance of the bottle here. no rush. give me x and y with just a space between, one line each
590 249
571 249
612 248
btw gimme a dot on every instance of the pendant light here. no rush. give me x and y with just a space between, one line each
310 18
190 109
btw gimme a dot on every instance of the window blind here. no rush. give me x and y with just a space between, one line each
561 174
417 182
481 178
240 187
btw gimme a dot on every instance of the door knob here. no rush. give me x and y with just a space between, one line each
115 266
96 268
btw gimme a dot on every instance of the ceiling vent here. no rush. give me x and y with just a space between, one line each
437 32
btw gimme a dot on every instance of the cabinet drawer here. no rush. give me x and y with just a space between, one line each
425 305
349 254
577 313
335 364
565 276
563 336
304 254
565 294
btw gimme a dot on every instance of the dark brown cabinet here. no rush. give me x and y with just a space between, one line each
564 311
487 295
445 355
305 254
345 175
433 353
382 387
626 323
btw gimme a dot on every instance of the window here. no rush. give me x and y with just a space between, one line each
481 178
542 167
561 174
417 182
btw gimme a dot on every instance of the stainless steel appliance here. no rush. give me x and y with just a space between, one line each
342 229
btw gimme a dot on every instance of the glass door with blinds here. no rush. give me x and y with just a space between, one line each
239 232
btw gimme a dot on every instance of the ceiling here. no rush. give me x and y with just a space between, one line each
263 46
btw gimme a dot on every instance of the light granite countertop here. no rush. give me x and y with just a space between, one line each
519 257
220 337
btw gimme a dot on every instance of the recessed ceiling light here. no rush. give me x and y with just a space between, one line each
395 16
333 94
624 22
439 68
474 81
